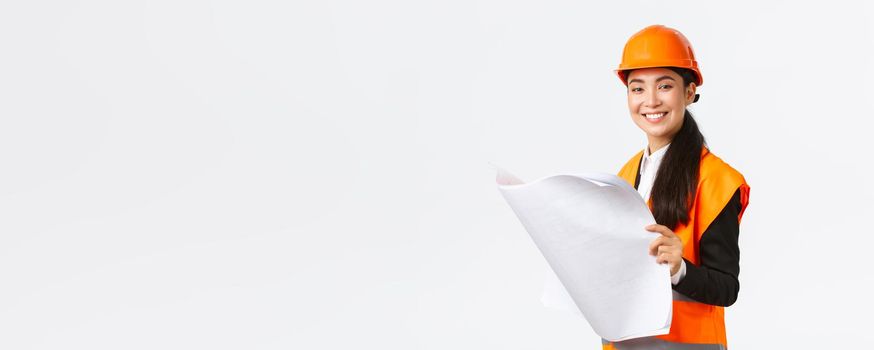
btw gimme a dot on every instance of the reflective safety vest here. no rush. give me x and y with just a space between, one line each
694 325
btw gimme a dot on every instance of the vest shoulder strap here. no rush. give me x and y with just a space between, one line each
717 183
631 168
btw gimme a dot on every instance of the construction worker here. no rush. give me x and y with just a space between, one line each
696 198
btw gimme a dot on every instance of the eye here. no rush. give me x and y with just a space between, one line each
636 89
665 86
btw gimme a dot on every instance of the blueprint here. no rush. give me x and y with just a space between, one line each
590 229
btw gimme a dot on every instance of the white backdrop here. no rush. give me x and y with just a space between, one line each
313 174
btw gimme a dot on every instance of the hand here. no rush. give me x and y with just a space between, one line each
667 248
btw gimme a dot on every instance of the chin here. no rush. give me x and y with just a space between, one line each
660 133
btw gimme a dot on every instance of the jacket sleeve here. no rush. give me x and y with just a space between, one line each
715 281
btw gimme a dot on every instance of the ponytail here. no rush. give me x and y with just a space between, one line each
676 183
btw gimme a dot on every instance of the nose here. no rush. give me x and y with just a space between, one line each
651 99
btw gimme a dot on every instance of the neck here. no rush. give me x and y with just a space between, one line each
657 144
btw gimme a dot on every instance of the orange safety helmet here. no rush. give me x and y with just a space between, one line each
658 46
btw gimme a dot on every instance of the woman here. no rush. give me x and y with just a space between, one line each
696 199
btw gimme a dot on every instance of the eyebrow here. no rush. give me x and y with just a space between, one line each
657 80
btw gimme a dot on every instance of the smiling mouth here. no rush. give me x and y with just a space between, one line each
654 116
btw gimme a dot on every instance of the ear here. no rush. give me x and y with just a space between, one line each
690 93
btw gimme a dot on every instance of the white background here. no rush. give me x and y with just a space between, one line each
313 174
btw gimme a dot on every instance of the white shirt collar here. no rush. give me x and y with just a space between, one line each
657 154
655 158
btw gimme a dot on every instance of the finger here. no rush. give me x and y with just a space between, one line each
655 244
666 258
664 230
654 227
670 248
665 249
668 233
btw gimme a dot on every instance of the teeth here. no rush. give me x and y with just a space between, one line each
654 116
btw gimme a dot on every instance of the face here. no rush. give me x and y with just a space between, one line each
657 102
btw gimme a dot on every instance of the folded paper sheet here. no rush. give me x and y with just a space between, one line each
590 229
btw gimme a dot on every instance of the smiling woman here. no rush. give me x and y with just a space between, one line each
696 198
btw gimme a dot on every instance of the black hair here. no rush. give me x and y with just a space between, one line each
676 182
